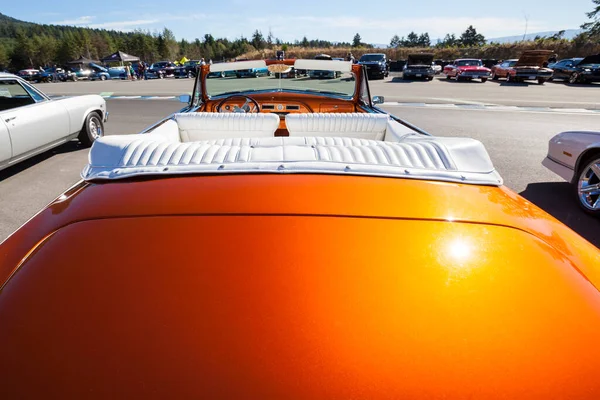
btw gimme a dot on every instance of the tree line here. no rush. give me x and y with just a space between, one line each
469 38
25 44
29 45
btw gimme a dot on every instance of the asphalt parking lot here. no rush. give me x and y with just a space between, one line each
514 121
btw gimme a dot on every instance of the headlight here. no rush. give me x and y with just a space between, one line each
587 71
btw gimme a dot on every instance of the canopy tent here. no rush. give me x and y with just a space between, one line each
183 60
82 60
119 56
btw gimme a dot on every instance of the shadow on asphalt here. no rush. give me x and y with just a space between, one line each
557 199
68 147
397 79
462 81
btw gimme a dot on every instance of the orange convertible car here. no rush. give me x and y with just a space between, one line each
286 239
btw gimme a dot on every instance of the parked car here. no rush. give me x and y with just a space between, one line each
575 157
376 64
323 74
252 72
467 69
530 66
33 123
437 68
502 69
161 69
117 72
28 74
578 70
187 70
221 74
99 73
325 251
419 66
81 72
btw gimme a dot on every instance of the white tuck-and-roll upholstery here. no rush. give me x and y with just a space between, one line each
354 125
204 126
179 147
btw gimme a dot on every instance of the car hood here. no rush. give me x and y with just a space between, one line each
595 59
298 306
420 59
533 58
372 62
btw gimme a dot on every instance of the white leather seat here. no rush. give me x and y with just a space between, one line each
199 126
352 125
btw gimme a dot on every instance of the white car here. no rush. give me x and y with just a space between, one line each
31 122
575 156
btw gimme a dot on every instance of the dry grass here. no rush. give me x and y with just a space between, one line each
564 49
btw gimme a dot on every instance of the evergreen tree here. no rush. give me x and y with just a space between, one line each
470 38
356 41
258 41
394 42
592 27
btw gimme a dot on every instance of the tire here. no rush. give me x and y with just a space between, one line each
494 76
448 77
430 78
75 78
102 77
574 78
93 128
405 77
541 81
484 80
508 78
586 178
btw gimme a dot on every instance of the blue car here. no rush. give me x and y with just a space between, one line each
252 72
117 73
222 74
99 73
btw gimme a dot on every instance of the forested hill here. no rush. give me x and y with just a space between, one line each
25 44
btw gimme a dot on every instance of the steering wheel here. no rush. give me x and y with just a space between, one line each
250 105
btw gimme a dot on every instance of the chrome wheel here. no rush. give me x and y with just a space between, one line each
588 186
95 127
574 77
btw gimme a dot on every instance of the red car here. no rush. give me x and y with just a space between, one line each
531 66
504 70
467 69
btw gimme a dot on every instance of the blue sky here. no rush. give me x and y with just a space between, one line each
376 22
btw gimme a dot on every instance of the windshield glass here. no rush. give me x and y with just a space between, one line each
371 57
335 83
468 63
511 63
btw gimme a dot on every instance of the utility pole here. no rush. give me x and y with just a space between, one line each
526 23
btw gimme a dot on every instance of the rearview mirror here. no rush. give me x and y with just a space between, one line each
378 99
185 98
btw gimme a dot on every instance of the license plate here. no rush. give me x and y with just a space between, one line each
418 75
531 78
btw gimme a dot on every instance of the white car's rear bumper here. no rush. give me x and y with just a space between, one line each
559 169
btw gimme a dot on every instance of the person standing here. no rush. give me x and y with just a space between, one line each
127 73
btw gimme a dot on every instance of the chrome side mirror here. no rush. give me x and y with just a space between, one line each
378 99
185 98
